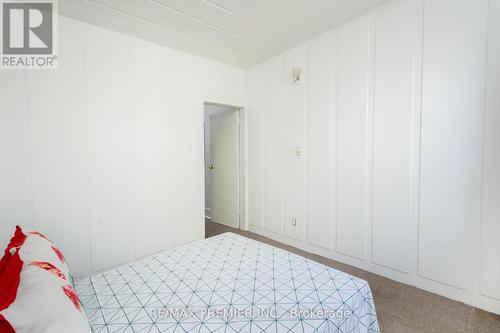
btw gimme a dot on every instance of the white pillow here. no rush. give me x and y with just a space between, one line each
46 301
37 247
45 304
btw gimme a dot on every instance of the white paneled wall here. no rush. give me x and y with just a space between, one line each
272 150
150 155
293 146
396 125
452 95
105 154
16 201
490 223
319 142
110 143
255 147
57 124
393 106
352 115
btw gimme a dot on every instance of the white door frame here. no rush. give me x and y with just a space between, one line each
241 164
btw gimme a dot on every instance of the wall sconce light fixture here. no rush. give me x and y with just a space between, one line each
296 74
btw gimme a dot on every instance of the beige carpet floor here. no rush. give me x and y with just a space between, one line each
400 308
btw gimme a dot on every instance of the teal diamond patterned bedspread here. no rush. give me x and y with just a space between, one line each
227 283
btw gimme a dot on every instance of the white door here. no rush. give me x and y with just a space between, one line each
224 168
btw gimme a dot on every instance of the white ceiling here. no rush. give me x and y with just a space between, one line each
236 32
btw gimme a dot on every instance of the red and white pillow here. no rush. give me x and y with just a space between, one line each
36 288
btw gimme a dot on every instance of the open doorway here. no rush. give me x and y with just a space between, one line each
223 166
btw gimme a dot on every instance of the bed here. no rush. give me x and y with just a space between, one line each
227 283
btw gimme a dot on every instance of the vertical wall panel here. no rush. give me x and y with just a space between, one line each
490 226
184 109
273 145
294 132
453 89
15 170
351 130
255 147
150 158
319 142
110 138
393 124
59 151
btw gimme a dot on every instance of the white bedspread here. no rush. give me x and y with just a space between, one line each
227 283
